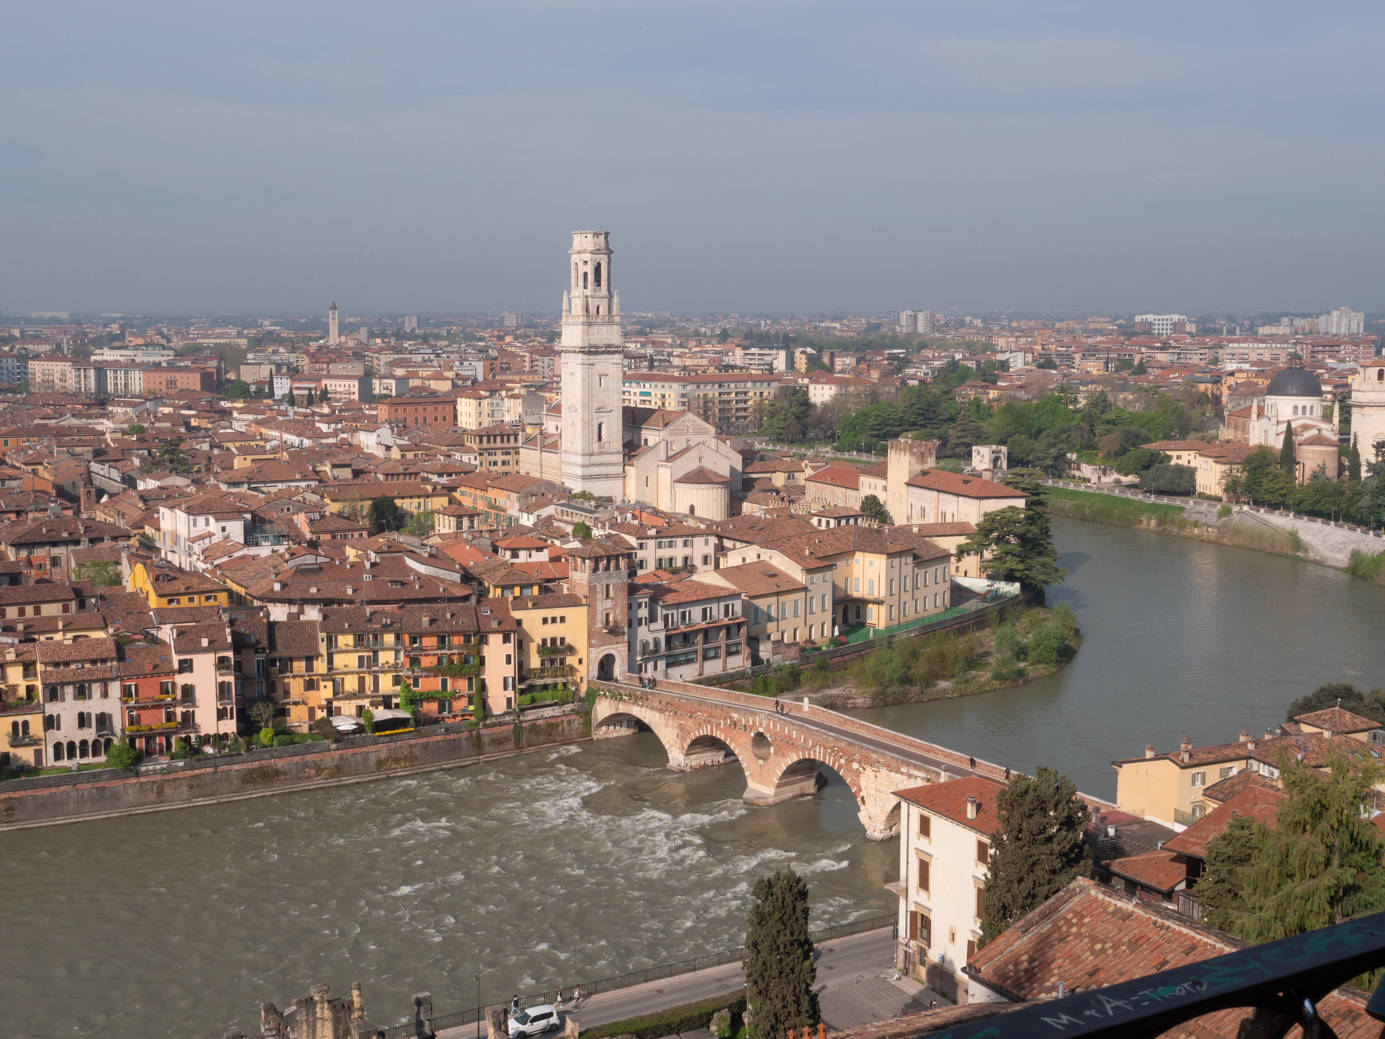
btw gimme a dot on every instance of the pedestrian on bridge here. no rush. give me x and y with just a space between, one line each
971 762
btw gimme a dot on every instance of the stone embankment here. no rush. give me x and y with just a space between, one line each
1251 526
46 800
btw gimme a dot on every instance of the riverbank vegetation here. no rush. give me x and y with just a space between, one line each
1107 508
1369 566
1024 645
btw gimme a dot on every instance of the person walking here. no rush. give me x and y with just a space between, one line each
514 1005
971 762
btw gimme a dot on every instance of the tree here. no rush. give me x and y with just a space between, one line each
779 970
135 429
385 514
1344 695
409 698
262 713
1015 545
1354 463
1038 848
322 396
122 755
874 510
237 389
1286 451
101 575
1227 875
1169 479
169 456
1318 866
420 524
1262 480
581 531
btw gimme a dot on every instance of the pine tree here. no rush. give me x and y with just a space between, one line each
1038 850
779 970
1228 875
1286 451
1320 865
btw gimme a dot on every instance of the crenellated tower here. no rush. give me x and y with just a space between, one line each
592 349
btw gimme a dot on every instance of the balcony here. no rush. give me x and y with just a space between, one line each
153 727
27 740
19 706
550 672
561 650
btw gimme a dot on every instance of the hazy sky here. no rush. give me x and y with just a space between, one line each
749 155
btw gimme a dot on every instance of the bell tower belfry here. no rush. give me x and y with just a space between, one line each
592 371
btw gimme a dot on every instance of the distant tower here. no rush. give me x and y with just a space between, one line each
332 323
592 371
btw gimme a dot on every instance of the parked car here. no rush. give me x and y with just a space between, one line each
534 1020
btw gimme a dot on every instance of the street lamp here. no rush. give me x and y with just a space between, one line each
478 1005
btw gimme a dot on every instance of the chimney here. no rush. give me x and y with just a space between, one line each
1250 744
971 808
206 642
1149 750
1244 736
1185 748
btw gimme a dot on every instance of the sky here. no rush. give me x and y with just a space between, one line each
1021 156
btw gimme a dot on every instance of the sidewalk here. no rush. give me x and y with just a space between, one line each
854 985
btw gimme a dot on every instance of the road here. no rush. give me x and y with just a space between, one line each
854 985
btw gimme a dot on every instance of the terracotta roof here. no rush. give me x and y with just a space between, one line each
962 486
758 579
702 475
837 475
1338 720
951 798
1160 871
1086 937
1256 803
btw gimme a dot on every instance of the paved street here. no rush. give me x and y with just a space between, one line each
854 986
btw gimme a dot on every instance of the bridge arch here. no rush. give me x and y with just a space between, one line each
796 775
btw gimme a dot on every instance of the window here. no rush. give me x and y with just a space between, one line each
1199 778
923 873
983 853
925 825
920 927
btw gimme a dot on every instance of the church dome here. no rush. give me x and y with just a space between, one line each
1295 382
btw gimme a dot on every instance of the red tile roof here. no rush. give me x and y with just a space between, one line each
950 799
1087 936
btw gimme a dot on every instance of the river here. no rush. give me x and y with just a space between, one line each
580 862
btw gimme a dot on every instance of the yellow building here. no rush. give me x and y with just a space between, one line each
552 640
410 495
21 708
164 585
1179 788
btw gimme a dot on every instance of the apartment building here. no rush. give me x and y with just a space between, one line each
944 855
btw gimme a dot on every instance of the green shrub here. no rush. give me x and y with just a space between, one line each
122 755
368 719
1009 642
673 1021
182 749
1049 645
1223 512
1006 668
266 737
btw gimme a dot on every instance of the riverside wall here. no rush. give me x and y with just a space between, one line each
47 800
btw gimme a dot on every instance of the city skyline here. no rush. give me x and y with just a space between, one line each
769 160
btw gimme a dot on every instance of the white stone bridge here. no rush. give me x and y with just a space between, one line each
780 752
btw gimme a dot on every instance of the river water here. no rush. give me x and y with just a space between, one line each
581 862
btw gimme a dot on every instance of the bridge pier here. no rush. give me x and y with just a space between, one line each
692 760
785 790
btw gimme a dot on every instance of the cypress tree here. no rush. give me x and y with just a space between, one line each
1286 450
1354 463
1038 850
779 970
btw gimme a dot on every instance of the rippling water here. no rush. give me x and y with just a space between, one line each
538 871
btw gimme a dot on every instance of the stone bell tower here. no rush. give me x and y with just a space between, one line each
592 349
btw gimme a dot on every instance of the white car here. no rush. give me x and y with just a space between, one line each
534 1020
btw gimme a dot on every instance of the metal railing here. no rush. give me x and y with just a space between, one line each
1282 982
658 972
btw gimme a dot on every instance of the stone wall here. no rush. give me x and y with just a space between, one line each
35 803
